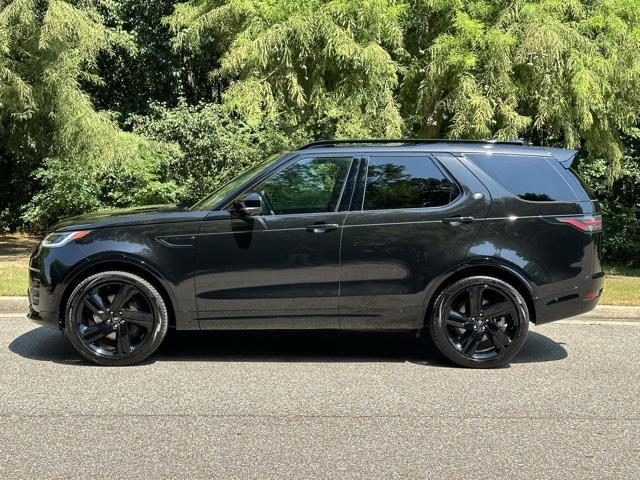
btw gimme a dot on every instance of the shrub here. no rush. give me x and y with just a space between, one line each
620 202
71 186
216 145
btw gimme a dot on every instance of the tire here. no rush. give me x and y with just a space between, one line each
484 333
115 318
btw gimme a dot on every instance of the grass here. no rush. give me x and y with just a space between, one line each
621 285
14 262
620 290
13 277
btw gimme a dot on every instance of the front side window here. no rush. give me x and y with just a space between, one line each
406 182
312 185
221 193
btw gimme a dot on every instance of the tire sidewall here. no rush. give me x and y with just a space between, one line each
437 319
152 295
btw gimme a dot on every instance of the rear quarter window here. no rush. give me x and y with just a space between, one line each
533 179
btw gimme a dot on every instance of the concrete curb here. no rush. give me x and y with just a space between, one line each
20 305
14 304
611 311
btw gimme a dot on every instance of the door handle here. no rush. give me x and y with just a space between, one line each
457 220
321 227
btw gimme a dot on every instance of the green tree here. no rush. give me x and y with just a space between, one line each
326 65
148 69
47 48
553 71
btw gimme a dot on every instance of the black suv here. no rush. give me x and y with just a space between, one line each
467 240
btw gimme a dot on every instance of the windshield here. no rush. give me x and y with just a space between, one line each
211 200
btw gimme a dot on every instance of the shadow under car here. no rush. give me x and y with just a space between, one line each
281 346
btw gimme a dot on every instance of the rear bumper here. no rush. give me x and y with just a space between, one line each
580 300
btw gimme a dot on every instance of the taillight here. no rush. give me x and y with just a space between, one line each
589 224
591 295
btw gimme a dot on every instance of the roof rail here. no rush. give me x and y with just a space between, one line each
406 141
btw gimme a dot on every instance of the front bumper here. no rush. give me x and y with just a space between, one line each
44 319
40 311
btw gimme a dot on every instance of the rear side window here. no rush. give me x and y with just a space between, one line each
530 178
406 182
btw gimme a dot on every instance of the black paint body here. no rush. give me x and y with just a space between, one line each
378 269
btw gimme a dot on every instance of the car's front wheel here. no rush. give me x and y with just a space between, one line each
116 318
479 322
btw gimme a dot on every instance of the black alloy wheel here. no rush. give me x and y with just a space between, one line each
116 318
479 322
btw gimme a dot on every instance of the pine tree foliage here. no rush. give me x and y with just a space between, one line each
562 72
553 71
47 50
308 60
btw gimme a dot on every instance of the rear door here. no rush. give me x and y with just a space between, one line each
413 216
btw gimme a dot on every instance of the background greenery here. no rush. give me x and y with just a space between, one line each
107 103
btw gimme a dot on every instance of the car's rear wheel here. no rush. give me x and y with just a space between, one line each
479 322
116 318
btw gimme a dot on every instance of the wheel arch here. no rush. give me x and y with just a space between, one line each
124 265
498 270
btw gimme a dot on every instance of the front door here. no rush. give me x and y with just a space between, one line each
279 269
410 221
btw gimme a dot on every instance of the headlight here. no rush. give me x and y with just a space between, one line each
57 239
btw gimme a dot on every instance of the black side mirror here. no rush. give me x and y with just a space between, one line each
248 205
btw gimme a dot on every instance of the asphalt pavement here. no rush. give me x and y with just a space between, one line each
322 405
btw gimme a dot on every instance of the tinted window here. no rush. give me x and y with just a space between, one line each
530 178
406 182
309 186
